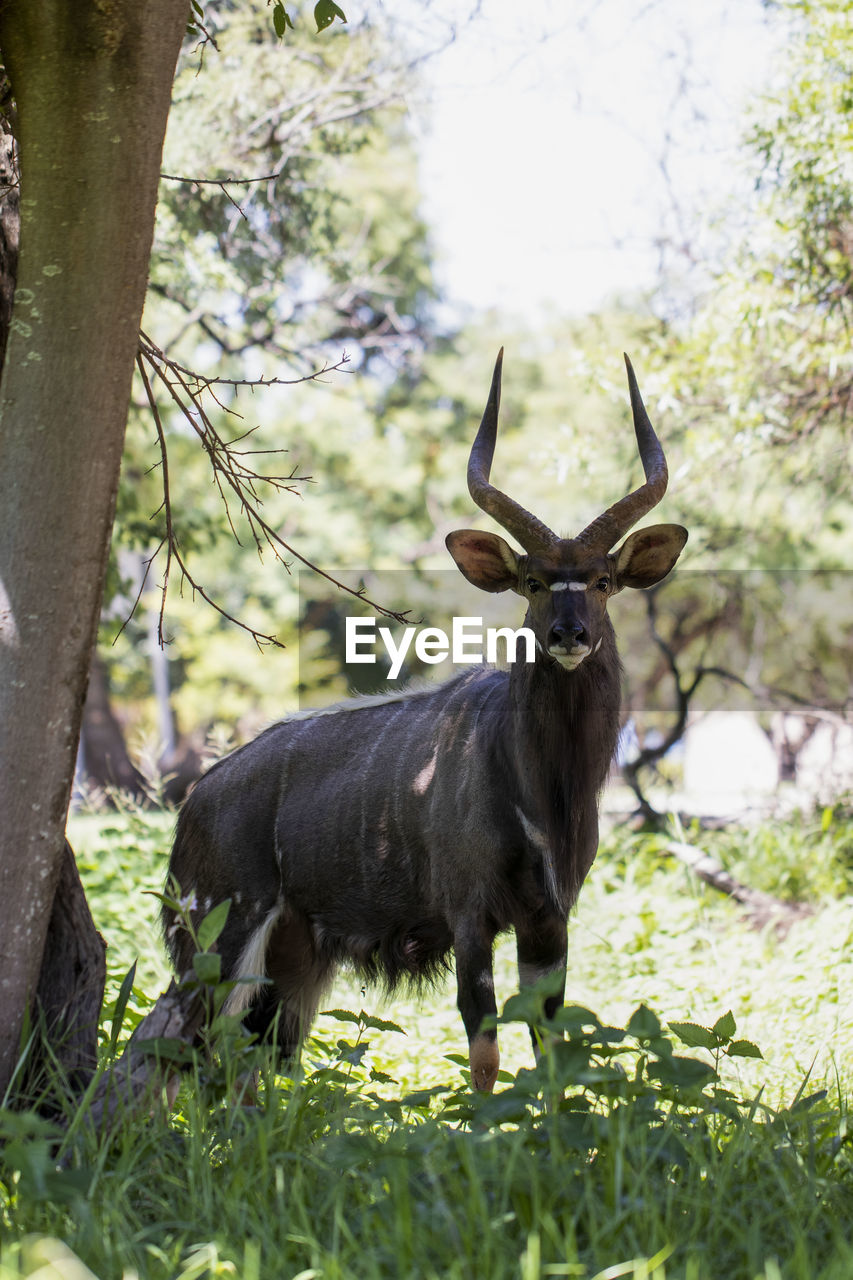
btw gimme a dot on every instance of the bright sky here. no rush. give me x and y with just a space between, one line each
550 122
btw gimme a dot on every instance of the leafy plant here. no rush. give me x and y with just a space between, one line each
646 1127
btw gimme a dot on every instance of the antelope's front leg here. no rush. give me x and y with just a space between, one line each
476 1000
542 946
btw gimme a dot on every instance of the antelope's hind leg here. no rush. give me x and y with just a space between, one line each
286 1006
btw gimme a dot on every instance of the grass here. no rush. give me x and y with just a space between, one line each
666 1154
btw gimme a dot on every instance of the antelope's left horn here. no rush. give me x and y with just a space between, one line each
530 532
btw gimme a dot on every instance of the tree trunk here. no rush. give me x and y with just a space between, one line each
105 757
92 85
71 983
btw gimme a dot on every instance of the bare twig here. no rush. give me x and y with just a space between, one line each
148 563
169 540
200 381
233 475
223 184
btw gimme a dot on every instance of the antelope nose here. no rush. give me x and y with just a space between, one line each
569 635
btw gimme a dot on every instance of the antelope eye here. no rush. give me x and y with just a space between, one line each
603 584
533 585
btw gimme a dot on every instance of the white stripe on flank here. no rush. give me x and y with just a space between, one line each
252 964
567 586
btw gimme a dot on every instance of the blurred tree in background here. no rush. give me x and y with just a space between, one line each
329 252
760 382
289 234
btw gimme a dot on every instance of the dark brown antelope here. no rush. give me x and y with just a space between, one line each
387 832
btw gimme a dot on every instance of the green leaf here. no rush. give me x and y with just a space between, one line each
600 1074
458 1059
121 1005
352 1053
420 1098
281 20
807 1102
660 1045
684 1073
524 1006
230 1022
342 1015
208 967
325 12
381 1077
168 1047
500 1108
368 1021
332 1075
693 1035
213 924
743 1049
575 1020
725 1027
643 1024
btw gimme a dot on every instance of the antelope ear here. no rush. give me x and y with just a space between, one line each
648 555
485 559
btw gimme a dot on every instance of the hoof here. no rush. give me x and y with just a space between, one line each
485 1060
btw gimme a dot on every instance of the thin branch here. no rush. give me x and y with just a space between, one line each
233 476
221 182
170 541
172 549
148 563
202 382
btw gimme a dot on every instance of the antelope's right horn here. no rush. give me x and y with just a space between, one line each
606 530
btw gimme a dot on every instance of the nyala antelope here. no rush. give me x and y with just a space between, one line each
389 832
